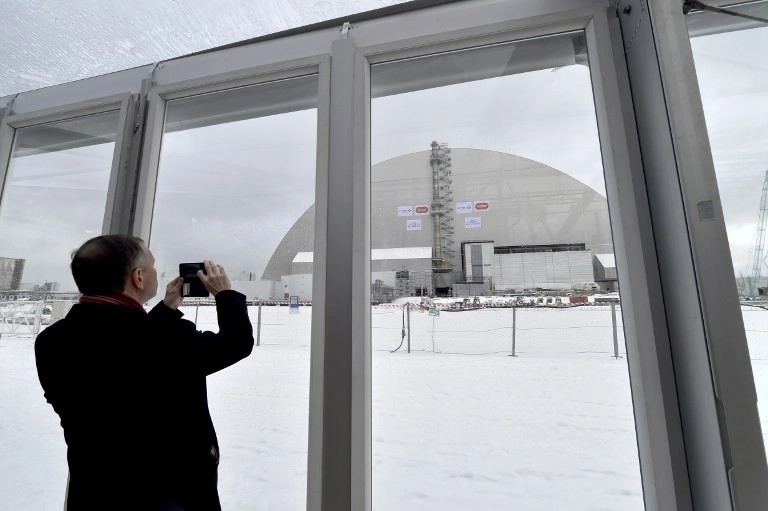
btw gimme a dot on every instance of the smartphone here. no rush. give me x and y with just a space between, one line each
192 285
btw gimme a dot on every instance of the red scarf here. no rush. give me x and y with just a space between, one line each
113 299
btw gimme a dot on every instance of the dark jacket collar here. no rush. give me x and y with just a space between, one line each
113 299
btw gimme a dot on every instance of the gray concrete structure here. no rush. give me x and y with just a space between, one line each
11 272
528 204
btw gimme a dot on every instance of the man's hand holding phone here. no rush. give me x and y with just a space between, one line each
214 278
173 295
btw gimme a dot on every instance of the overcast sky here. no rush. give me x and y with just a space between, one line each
232 191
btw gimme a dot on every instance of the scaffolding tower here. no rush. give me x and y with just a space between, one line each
443 249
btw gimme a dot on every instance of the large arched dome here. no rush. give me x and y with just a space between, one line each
531 204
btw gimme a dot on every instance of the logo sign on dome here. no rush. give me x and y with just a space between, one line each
422 209
473 222
405 211
463 208
413 225
482 205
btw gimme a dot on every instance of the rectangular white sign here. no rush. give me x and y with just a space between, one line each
473 222
481 205
413 225
463 207
405 211
422 209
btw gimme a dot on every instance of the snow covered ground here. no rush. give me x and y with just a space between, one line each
549 429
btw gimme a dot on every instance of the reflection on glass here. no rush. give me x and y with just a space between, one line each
236 185
733 78
489 217
53 200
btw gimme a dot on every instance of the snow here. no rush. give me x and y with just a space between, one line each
303 257
396 253
607 260
380 254
549 429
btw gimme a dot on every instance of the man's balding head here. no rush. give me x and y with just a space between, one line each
102 265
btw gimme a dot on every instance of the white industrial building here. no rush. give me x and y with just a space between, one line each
509 223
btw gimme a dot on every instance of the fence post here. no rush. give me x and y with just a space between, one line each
433 333
258 326
408 316
38 318
66 493
514 328
615 332
197 310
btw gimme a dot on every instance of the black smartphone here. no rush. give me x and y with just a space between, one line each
192 285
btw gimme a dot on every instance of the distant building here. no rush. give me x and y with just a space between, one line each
605 272
11 271
744 286
512 224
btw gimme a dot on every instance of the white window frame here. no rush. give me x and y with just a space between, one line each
661 451
713 374
159 95
314 64
123 103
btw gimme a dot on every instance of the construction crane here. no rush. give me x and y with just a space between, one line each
757 254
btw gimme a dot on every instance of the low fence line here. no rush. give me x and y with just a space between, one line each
511 330
516 331
22 317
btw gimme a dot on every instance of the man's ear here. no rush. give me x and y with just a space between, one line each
137 278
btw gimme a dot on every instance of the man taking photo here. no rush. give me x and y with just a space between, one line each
130 386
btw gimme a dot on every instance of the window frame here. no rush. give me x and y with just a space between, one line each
124 104
663 464
318 65
159 95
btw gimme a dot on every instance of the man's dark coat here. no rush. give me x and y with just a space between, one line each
130 390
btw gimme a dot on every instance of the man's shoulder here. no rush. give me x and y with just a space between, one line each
53 334
90 319
55 329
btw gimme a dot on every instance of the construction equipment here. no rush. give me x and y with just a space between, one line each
759 247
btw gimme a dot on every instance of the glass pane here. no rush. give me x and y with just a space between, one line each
499 370
54 199
236 177
733 77
176 28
